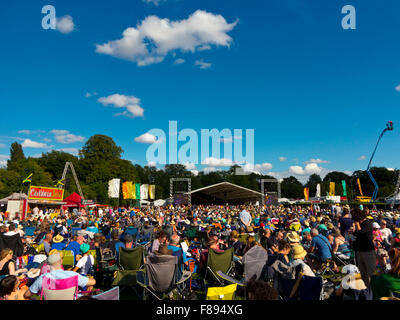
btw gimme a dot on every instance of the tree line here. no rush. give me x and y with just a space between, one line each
100 160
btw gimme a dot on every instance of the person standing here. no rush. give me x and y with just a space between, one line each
363 245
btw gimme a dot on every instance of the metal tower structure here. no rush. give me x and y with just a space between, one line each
70 165
396 191
171 188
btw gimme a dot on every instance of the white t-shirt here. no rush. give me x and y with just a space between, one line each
386 233
82 262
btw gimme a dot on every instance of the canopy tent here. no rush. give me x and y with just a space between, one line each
14 196
74 200
159 203
224 192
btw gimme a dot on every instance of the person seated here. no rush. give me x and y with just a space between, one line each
86 261
320 247
7 265
57 272
284 249
340 246
58 243
385 284
75 246
84 232
250 243
236 244
162 238
299 255
10 289
114 243
212 244
260 290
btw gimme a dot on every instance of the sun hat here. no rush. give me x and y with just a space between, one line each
33 273
84 247
58 238
163 250
54 258
298 252
54 251
293 236
353 281
39 258
350 269
376 225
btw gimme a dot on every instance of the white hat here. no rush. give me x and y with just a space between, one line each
350 269
376 225
39 258
33 273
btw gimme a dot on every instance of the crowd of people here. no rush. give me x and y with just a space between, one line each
355 251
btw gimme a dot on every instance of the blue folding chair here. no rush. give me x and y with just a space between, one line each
30 231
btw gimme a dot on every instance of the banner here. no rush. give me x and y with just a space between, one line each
331 188
127 190
137 191
344 188
44 193
318 194
28 179
144 191
113 188
152 192
359 187
306 193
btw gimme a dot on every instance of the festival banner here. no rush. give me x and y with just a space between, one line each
144 191
344 188
306 193
137 191
127 190
318 193
45 193
113 188
331 188
152 192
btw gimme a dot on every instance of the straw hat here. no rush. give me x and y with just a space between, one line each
58 238
298 252
293 236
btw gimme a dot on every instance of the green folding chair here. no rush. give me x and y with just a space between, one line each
219 261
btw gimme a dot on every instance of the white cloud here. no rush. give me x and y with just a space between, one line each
2 145
179 61
65 24
210 169
131 103
151 164
214 162
362 158
28 143
202 64
263 167
282 159
309 169
146 138
297 170
154 38
155 2
73 151
195 172
397 88
316 161
391 169
31 131
190 166
63 136
4 157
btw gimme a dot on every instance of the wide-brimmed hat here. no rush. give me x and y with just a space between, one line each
163 250
353 281
33 273
187 221
376 225
58 238
293 236
39 258
299 252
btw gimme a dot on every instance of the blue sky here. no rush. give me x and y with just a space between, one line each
286 69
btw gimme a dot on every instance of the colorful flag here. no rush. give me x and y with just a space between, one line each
59 182
331 188
344 188
306 193
113 188
144 191
137 191
152 191
28 179
127 190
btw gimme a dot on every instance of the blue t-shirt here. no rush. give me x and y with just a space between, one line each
58 246
36 287
322 246
75 247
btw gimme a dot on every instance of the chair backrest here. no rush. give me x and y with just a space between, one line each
93 253
310 288
131 231
68 259
222 293
243 238
74 230
161 272
254 261
59 289
131 259
112 294
220 261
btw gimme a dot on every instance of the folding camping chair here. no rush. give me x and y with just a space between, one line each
254 262
218 261
222 293
132 231
159 277
112 294
30 231
60 289
68 259
130 261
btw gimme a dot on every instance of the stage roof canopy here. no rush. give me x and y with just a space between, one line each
226 192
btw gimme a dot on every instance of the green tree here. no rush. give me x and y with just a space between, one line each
100 148
17 158
292 188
